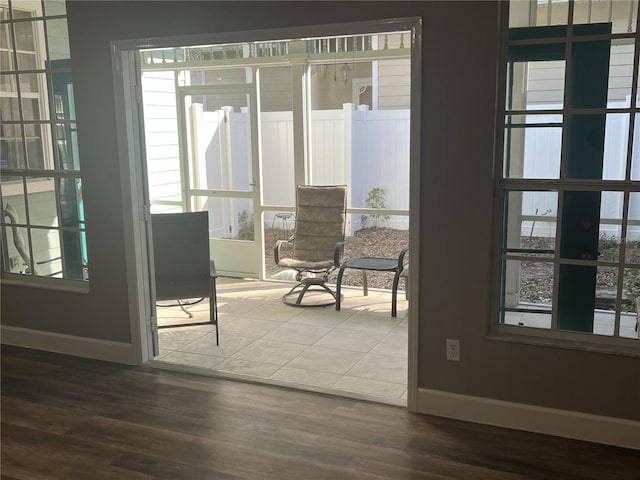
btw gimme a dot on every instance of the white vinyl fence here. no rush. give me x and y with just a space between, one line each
361 148
542 160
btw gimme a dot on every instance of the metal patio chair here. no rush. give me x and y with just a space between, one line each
318 243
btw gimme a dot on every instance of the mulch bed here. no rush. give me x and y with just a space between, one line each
368 242
536 278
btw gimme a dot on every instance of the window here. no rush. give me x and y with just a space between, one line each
568 185
41 188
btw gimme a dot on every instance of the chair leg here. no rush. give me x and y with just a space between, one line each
365 284
300 289
180 304
213 308
302 292
339 286
406 288
394 295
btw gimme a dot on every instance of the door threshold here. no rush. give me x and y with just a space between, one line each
363 397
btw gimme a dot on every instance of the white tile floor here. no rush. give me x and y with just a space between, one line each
360 350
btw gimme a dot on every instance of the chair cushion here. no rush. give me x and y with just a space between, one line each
302 264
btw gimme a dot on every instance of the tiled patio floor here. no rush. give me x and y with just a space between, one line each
360 350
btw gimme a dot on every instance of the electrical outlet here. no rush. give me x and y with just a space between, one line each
453 349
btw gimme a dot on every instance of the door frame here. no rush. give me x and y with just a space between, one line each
127 93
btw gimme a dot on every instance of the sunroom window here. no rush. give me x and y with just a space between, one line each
568 185
41 188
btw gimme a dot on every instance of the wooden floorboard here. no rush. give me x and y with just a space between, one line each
70 418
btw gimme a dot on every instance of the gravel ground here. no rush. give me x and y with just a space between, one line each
368 242
536 278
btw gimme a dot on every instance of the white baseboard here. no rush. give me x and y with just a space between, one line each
70 345
531 418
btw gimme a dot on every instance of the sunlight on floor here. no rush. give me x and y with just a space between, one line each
360 349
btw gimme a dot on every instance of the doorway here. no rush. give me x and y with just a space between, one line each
247 196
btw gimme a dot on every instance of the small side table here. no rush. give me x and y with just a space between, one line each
374 264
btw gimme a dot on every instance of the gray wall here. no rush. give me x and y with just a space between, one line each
456 197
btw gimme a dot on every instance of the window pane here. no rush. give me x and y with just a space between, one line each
67 146
278 226
33 83
610 226
528 285
521 14
47 252
632 253
605 302
27 61
635 161
25 36
9 100
533 145
55 7
630 303
531 223
230 218
581 224
63 96
71 204
74 255
26 8
221 148
34 94
11 147
276 123
616 142
586 136
620 73
161 140
16 240
42 202
13 200
58 38
38 141
621 13
32 109
6 48
529 319
4 9
535 85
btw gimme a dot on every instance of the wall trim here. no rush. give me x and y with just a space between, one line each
531 418
70 345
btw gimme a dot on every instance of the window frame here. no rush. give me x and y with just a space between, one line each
49 175
503 185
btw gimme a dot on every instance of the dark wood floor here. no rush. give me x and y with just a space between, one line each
69 418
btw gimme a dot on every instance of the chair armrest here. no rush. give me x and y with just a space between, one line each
276 250
401 256
338 252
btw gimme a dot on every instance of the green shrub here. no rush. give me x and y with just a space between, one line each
375 199
245 225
